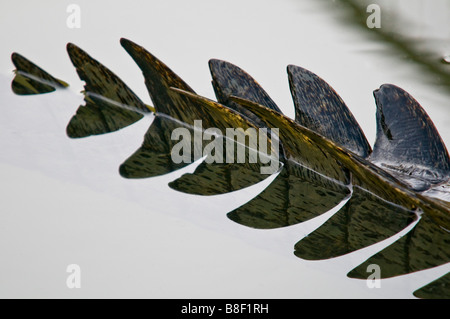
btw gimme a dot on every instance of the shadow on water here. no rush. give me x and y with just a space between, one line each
416 31
323 154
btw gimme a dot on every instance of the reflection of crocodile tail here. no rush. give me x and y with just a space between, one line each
177 106
228 80
379 199
326 160
31 79
110 103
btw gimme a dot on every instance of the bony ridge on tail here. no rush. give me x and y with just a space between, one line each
323 151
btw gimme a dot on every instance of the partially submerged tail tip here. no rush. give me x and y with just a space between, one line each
128 44
70 47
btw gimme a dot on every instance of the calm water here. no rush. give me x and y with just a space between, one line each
410 50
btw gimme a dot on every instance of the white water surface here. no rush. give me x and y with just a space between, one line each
63 201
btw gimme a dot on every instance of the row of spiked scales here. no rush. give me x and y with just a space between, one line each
325 159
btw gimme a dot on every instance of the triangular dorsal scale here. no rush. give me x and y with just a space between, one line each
159 78
31 79
230 80
110 103
407 142
319 108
